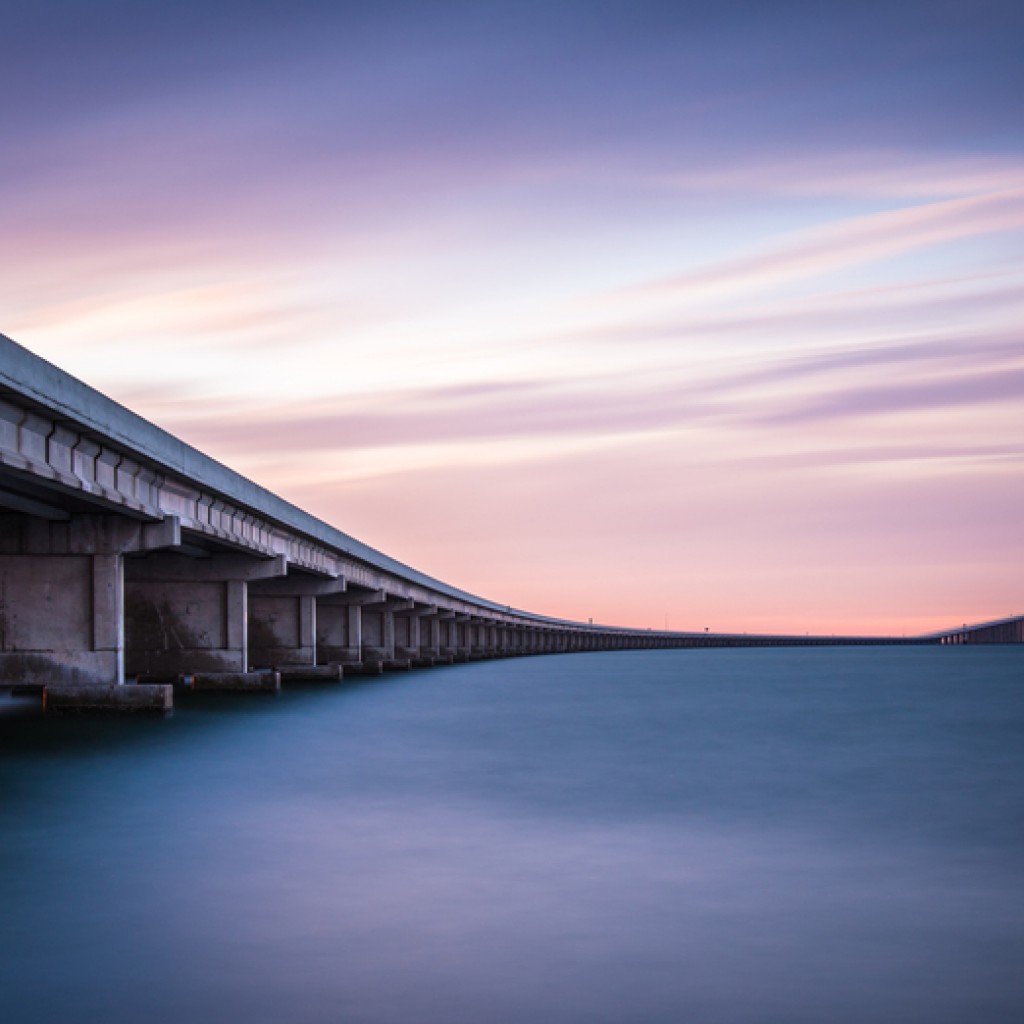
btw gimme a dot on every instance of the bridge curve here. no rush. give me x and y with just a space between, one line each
997 631
125 554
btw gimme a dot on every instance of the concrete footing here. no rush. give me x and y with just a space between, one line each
310 673
233 682
99 698
364 668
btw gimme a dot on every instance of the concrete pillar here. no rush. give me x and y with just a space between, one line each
344 633
108 610
477 638
463 637
186 615
307 629
448 634
373 635
388 634
237 626
62 595
379 630
430 640
414 631
283 619
355 631
337 632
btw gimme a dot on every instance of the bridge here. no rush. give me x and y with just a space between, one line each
127 556
998 631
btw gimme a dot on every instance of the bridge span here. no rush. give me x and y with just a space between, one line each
999 631
126 555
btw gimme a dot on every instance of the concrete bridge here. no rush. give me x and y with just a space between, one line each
999 631
127 555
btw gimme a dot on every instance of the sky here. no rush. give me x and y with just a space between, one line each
697 315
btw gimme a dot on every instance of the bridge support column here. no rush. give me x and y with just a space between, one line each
283 616
355 632
62 595
338 632
412 637
415 634
447 637
379 631
478 637
463 637
411 627
430 636
187 615
340 625
488 639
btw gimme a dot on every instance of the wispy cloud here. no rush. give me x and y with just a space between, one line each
857 174
826 385
871 238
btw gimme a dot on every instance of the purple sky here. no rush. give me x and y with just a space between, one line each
703 313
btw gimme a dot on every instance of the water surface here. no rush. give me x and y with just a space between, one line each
808 835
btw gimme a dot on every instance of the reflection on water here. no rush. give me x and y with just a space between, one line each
709 836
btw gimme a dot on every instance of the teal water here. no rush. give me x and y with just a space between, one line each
809 835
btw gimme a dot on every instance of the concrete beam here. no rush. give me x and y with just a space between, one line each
423 611
393 604
296 585
359 597
172 568
164 534
31 507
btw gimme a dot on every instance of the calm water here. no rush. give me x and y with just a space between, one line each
698 836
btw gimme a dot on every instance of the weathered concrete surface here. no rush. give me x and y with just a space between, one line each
233 682
62 594
282 630
339 632
94 698
311 674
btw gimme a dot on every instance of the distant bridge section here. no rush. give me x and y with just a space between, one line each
999 631
126 554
